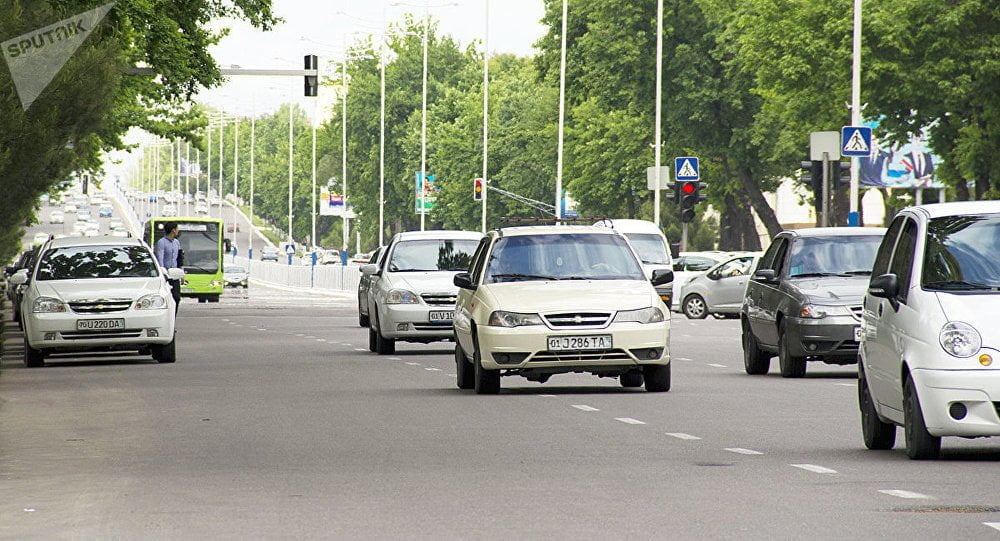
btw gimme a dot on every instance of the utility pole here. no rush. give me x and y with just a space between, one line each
486 110
562 112
853 218
423 128
658 142
236 164
289 172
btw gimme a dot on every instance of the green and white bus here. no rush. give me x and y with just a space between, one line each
202 247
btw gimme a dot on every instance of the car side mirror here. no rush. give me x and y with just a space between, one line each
714 275
662 276
19 278
885 286
175 274
369 269
464 281
766 275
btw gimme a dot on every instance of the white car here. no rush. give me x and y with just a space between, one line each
168 211
688 265
411 297
650 244
69 208
57 217
544 300
120 232
116 223
40 238
930 342
718 291
200 208
119 301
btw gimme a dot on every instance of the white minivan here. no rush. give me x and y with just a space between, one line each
650 244
930 346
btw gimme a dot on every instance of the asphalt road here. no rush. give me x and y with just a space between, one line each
276 421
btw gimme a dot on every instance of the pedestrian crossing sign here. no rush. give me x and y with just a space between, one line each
855 141
686 168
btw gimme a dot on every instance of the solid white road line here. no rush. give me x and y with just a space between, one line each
547 395
994 525
906 494
413 364
629 421
717 365
395 358
847 384
813 468
584 407
742 451
683 359
682 436
360 349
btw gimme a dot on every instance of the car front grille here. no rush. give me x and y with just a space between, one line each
100 306
432 326
91 335
439 299
575 356
578 319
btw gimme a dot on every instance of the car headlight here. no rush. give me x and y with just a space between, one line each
48 305
820 311
152 301
402 296
642 315
960 339
500 318
215 283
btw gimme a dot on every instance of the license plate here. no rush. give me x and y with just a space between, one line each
187 290
857 334
100 324
442 315
579 343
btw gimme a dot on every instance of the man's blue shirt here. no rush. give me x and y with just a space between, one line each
166 251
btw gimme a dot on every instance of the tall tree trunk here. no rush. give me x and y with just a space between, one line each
756 198
962 190
730 236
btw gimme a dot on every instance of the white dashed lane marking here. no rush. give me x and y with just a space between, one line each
584 407
413 364
683 359
906 494
814 468
395 358
847 384
682 436
717 365
300 335
547 395
742 451
629 421
360 349
432 369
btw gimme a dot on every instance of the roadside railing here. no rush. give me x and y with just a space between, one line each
319 277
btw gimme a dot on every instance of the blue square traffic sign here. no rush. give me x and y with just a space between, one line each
686 168
855 141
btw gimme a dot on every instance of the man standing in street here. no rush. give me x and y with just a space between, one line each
166 251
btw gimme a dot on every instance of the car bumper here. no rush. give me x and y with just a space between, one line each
977 390
831 338
412 322
633 344
58 331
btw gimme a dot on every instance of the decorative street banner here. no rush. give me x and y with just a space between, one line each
330 203
911 165
35 58
430 190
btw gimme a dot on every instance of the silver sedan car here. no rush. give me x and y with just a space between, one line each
719 291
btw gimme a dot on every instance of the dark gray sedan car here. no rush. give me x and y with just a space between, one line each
803 301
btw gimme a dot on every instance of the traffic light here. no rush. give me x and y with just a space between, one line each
841 172
689 192
813 177
311 81
477 190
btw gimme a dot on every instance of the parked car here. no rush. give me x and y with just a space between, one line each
269 253
803 301
83 214
718 291
234 276
122 304
364 284
689 264
544 300
57 217
930 339
25 264
69 208
412 295
651 245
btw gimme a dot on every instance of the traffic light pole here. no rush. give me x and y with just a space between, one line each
684 236
825 218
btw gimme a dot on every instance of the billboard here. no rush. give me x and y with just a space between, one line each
910 165
330 203
425 193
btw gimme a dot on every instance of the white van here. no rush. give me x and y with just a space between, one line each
651 244
930 342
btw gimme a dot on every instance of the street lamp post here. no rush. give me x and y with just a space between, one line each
853 216
290 173
222 129
486 109
343 151
236 164
423 126
562 112
659 111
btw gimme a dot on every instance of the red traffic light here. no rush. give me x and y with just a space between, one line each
477 191
688 188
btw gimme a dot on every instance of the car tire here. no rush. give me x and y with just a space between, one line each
631 379
485 381
165 353
791 366
694 307
879 436
464 371
920 444
657 377
213 298
364 320
756 361
33 358
383 346
372 340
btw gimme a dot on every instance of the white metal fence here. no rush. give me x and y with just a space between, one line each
320 277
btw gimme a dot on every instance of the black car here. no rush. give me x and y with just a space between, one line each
803 301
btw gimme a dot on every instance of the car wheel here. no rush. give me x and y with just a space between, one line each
486 381
372 340
791 366
213 298
755 360
694 307
657 377
878 435
165 353
383 346
465 372
631 379
33 358
363 319
920 445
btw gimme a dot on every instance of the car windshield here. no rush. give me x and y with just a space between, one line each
582 256
840 255
83 262
650 248
960 253
432 255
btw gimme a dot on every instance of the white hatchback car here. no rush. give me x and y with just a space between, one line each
650 245
930 339
97 295
411 296
544 300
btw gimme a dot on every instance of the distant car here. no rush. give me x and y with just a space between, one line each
235 276
69 208
330 257
116 223
687 265
201 208
79 228
91 233
84 215
650 244
105 211
233 228
120 232
40 238
92 226
719 291
168 211
57 217
269 253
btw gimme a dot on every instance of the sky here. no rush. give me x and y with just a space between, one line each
319 27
